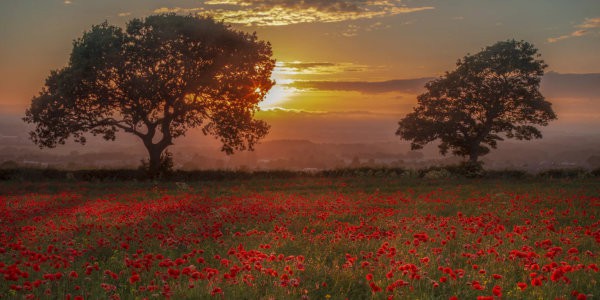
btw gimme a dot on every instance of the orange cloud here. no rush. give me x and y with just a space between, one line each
300 67
590 23
287 12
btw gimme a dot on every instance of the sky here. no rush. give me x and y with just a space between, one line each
346 69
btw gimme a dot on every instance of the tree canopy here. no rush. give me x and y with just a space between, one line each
491 95
156 79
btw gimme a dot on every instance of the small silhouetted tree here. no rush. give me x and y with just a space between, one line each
489 96
156 79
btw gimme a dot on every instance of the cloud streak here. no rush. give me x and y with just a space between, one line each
287 12
281 110
588 26
287 112
412 86
300 67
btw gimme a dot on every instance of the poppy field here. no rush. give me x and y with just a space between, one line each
303 238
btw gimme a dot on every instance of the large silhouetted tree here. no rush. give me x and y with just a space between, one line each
155 79
490 95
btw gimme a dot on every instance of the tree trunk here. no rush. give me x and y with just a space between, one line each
154 163
473 154
155 150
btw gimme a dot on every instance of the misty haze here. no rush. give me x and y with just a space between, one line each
323 140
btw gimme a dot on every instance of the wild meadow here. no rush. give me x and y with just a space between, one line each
301 238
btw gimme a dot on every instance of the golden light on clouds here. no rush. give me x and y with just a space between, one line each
287 12
307 87
288 75
297 68
227 2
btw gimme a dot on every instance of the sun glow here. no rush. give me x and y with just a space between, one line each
279 94
282 91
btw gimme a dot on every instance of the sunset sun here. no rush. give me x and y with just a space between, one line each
278 95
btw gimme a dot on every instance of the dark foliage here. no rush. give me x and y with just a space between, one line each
156 79
469 169
506 174
491 95
564 173
25 174
362 171
451 171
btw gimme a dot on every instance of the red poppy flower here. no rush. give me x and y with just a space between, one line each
374 287
134 278
497 291
216 290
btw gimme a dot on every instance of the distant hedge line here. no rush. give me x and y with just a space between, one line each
26 174
453 171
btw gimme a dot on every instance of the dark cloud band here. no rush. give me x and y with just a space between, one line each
553 85
401 85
